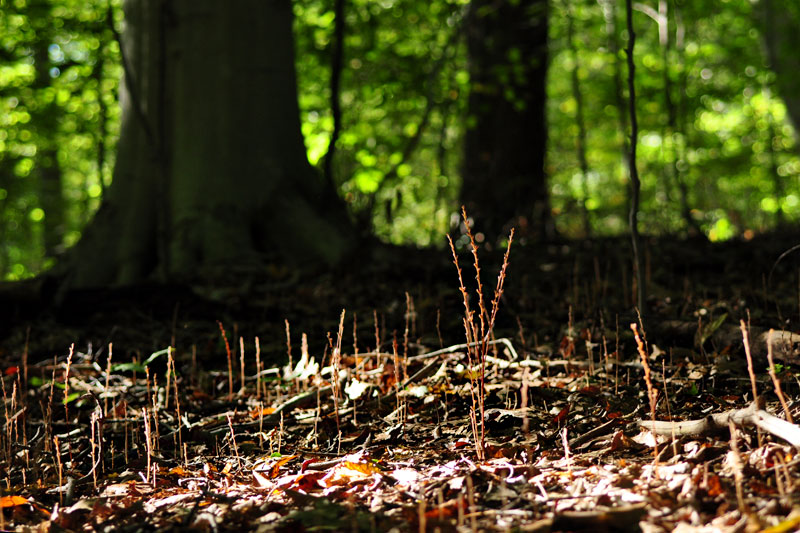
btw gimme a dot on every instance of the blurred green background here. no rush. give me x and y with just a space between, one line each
716 149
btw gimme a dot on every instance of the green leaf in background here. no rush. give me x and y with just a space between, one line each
709 329
72 397
138 367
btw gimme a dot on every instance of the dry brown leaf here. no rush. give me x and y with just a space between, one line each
256 413
13 501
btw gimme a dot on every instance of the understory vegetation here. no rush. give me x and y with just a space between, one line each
716 146
587 350
561 415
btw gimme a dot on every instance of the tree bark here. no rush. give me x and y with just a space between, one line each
45 116
503 174
211 169
780 21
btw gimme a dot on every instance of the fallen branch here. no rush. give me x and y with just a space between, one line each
753 415
456 347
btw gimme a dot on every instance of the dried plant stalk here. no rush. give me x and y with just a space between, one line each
478 334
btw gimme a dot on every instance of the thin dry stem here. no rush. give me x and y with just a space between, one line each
57 453
652 394
289 350
336 361
108 376
230 361
750 371
242 389
233 441
147 441
168 377
258 369
177 407
775 381
737 464
66 380
478 335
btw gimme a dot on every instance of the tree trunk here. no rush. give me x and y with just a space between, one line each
211 170
503 175
45 118
780 21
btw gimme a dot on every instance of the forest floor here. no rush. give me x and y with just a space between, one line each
178 409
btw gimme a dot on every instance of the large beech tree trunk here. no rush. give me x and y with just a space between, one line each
211 170
503 175
780 25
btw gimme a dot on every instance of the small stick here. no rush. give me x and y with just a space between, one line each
177 406
66 380
775 380
241 364
304 355
168 376
25 360
230 361
471 502
154 427
746 341
233 441
108 375
261 425
750 371
289 352
147 443
280 435
60 470
377 331
652 394
95 423
567 454
8 446
396 372
409 305
258 368
737 469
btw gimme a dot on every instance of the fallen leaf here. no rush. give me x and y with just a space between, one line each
257 413
13 501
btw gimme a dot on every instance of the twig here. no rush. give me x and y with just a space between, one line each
457 347
775 381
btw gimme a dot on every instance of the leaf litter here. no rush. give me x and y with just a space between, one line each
495 433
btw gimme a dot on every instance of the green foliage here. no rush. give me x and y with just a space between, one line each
59 69
403 94
139 367
725 139
36 381
731 142
779 368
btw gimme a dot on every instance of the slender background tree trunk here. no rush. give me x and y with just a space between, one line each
503 171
